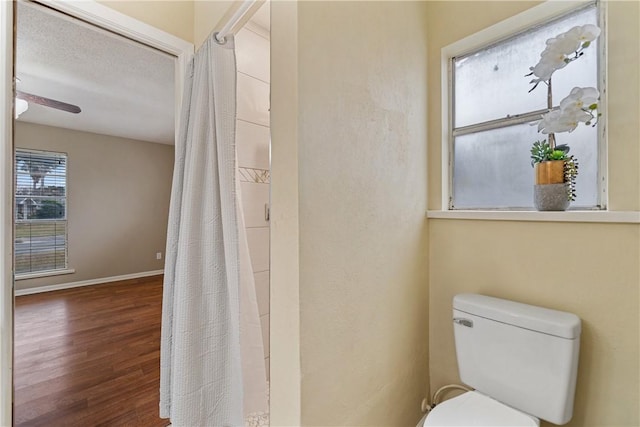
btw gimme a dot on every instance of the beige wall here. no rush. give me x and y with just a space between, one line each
173 16
359 166
118 201
588 269
285 383
355 276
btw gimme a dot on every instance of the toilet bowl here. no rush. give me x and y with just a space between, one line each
475 409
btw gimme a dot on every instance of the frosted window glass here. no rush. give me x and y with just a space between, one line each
490 84
584 146
492 169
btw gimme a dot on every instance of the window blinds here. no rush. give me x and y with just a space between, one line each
40 211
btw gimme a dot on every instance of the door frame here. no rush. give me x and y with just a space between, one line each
6 217
101 16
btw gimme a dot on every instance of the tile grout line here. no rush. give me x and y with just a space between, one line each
254 77
253 123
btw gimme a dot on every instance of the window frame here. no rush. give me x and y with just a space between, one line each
55 271
495 34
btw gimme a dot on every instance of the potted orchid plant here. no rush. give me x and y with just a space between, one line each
555 169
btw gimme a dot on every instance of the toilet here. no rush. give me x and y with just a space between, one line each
522 361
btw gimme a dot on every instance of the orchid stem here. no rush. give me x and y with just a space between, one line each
552 137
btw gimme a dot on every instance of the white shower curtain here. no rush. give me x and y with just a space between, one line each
204 348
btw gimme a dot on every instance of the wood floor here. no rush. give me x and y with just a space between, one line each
89 356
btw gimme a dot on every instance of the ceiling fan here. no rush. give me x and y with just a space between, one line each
21 107
48 102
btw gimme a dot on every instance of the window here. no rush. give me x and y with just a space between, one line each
40 211
492 117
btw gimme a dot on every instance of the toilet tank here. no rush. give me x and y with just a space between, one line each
521 355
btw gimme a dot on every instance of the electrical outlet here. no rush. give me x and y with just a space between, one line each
158 255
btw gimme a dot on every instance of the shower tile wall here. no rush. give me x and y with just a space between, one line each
253 138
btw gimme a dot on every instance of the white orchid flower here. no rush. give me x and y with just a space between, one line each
557 121
580 35
560 50
586 33
579 98
550 123
564 44
550 61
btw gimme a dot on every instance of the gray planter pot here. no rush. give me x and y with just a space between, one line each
550 197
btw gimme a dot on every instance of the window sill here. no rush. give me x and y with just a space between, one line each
622 217
26 276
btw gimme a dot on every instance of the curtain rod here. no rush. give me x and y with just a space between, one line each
237 16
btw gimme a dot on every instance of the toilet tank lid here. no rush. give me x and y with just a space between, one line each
539 319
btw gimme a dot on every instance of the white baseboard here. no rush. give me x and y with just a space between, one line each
49 288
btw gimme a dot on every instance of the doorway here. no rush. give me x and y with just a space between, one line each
115 25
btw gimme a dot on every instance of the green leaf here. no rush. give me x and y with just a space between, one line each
540 152
593 106
586 44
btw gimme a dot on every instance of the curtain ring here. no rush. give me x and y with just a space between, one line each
220 42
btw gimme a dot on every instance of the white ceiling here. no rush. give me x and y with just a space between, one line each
124 88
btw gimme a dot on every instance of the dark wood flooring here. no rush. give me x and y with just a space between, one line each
89 356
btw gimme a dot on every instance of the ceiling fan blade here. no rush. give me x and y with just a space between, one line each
48 102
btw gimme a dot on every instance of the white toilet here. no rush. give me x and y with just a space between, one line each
521 360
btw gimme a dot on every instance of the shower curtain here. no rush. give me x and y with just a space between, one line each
209 346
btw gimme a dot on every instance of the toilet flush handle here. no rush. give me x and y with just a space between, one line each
464 322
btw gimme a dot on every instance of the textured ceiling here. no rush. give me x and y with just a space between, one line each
124 88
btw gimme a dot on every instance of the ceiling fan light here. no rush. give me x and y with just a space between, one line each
21 106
